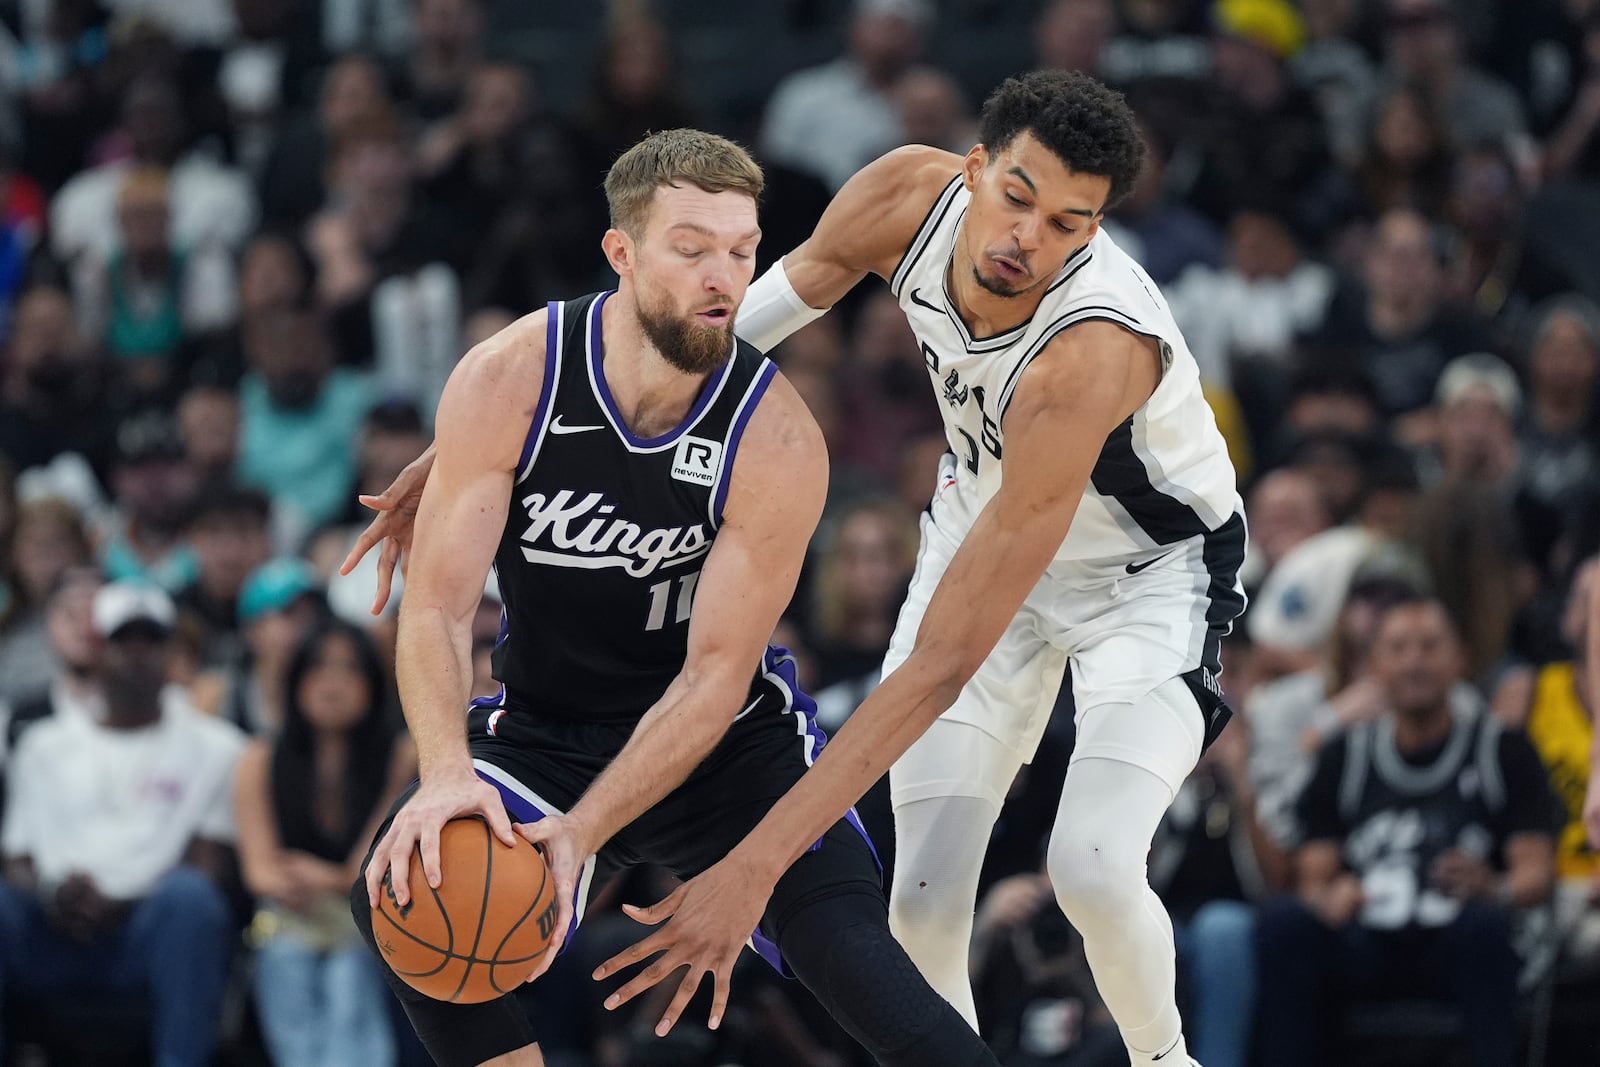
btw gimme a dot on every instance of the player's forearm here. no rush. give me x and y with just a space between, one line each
896 713
670 741
433 670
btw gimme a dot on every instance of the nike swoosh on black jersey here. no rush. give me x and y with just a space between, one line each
558 427
1135 568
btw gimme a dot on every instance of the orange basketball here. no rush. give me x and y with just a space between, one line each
478 935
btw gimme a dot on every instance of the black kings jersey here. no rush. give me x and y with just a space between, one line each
607 533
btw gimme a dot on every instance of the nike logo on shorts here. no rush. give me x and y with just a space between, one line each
1135 568
559 427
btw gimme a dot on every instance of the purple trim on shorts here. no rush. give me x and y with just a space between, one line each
521 809
552 341
779 661
597 366
757 391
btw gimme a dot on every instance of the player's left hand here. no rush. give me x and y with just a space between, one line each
566 850
711 917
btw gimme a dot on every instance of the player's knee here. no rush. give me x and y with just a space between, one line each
923 908
1093 876
874 990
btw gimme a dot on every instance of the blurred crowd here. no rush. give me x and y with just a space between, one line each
243 243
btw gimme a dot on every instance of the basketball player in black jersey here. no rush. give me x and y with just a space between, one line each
613 457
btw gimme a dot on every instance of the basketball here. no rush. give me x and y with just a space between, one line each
478 935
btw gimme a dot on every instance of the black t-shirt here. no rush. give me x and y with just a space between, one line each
1393 813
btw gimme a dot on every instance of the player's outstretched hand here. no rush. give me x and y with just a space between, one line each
397 515
708 920
442 796
566 850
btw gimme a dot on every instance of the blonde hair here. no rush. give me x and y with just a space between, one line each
712 163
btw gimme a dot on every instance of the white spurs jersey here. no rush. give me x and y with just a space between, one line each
1163 475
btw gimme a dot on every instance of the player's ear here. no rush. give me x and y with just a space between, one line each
619 250
977 159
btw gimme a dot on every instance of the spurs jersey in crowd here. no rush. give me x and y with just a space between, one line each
1163 475
607 533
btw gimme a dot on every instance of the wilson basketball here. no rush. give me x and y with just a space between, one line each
478 935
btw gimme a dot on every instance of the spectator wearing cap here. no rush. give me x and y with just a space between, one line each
1423 44
229 529
51 385
279 601
832 120
1261 133
153 490
48 539
116 840
1478 402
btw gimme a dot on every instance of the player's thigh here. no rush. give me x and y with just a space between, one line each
954 758
1163 731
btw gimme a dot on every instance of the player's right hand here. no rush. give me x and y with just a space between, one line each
397 515
442 796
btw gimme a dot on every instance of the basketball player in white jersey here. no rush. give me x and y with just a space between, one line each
1112 540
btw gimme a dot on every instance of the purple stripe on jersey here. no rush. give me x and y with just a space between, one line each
552 341
597 362
757 391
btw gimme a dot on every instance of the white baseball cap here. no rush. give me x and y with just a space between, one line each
132 600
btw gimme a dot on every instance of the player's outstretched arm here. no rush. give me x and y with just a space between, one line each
482 421
748 579
1091 378
865 230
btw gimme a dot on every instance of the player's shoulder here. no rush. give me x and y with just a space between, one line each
783 426
883 205
781 436
507 355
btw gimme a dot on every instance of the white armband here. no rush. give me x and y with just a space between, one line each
772 310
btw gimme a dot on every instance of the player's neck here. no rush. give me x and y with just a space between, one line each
986 314
652 396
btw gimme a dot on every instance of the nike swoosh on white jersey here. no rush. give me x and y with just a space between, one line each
558 427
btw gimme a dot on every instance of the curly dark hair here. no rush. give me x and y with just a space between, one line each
1089 127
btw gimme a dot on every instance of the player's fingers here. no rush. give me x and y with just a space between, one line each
653 914
628 956
722 984
428 842
647 978
386 561
364 542
376 868
680 1001
494 810
399 861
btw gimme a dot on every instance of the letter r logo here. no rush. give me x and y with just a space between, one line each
697 460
